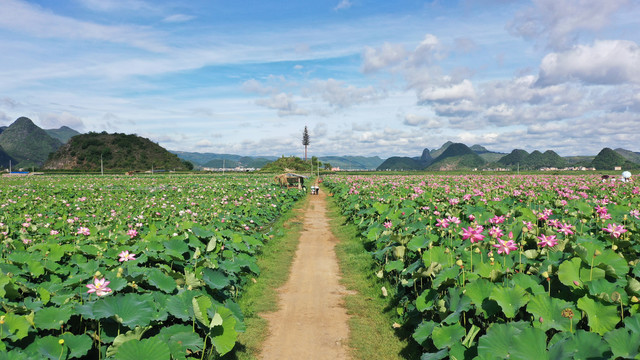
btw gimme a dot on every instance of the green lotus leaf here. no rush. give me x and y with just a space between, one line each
633 323
426 300
423 331
531 343
510 299
152 348
396 265
15 327
79 345
549 310
602 318
479 291
457 303
181 340
435 356
447 275
624 344
569 272
224 335
48 347
498 341
588 345
216 279
613 264
201 305
529 283
445 336
181 305
136 334
129 309
161 280
51 318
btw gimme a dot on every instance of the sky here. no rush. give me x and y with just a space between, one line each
369 78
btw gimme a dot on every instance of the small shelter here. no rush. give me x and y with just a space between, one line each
290 180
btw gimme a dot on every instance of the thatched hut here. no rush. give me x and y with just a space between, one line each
290 180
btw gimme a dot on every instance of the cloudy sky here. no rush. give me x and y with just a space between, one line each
367 77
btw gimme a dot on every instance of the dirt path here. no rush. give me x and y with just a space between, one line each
311 322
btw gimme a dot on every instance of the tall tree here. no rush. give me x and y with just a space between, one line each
305 141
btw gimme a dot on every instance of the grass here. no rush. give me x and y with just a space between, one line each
261 296
372 335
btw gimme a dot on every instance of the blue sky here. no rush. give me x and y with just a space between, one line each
367 78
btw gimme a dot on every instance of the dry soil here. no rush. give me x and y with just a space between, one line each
311 322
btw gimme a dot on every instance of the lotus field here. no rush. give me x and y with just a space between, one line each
129 267
496 267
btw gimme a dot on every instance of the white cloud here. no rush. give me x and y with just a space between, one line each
606 62
340 95
343 4
558 23
23 17
204 143
387 55
283 103
176 18
423 121
112 5
450 92
56 120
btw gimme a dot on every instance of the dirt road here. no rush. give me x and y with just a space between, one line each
311 322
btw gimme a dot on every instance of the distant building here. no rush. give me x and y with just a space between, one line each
617 168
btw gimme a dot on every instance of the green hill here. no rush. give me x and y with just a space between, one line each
289 164
27 144
629 155
353 162
118 152
608 159
457 156
5 159
435 153
399 163
63 134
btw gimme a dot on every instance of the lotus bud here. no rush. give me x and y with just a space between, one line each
614 247
476 250
576 283
459 262
446 250
97 274
540 319
545 274
384 291
492 260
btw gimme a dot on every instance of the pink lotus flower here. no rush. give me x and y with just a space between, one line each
53 232
495 232
497 219
473 234
99 287
635 213
528 224
443 223
126 256
505 246
387 224
565 229
83 231
549 241
453 220
615 230
132 233
601 210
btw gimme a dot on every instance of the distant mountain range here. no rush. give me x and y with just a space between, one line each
458 156
215 160
25 145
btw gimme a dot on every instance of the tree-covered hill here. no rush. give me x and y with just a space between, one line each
118 152
608 159
27 143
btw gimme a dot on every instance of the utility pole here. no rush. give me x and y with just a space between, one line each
101 166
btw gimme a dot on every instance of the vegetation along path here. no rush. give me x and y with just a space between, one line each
311 322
